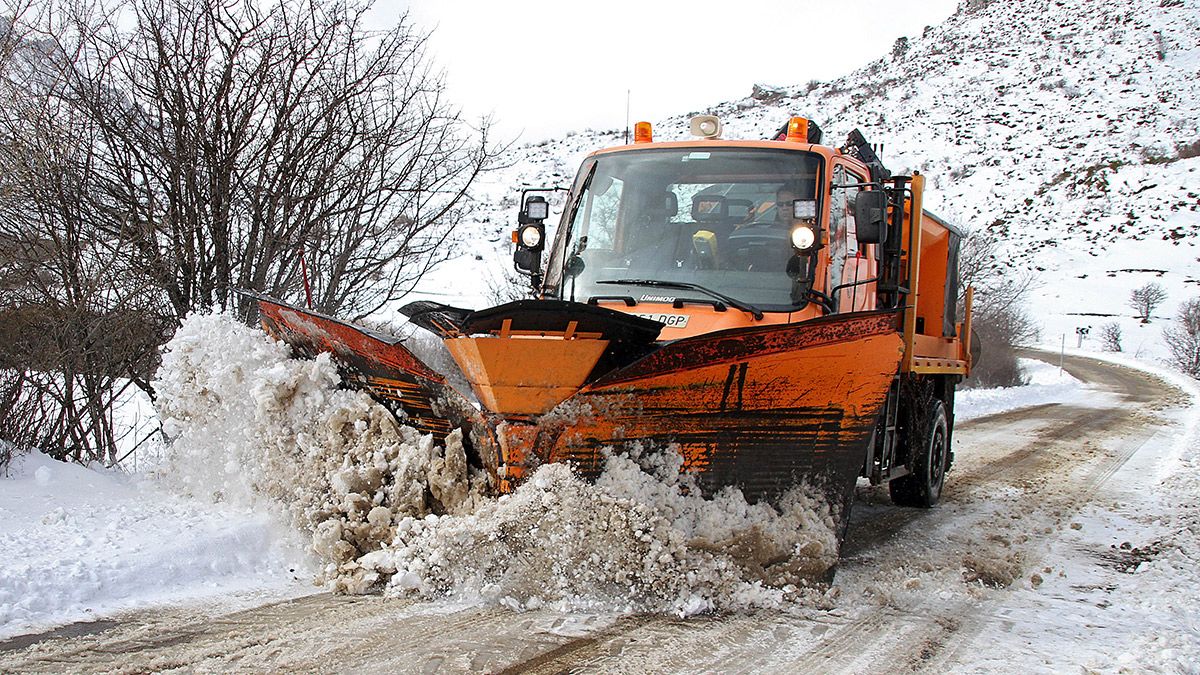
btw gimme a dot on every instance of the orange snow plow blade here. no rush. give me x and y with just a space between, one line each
758 408
375 362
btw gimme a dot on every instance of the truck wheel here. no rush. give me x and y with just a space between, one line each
923 487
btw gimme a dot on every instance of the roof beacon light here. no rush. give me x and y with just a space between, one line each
706 126
643 133
797 130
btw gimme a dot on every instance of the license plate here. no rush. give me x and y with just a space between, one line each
671 320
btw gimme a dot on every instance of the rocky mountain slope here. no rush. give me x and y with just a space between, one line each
1068 128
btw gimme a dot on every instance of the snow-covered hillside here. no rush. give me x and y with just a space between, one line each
1068 127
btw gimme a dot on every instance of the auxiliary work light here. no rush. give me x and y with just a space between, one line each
804 208
535 210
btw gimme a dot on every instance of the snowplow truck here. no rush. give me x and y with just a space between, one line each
776 311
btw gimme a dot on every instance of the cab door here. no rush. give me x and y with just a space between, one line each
850 266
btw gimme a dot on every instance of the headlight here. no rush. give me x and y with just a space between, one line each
531 236
803 237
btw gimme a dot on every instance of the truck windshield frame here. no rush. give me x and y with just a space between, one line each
718 217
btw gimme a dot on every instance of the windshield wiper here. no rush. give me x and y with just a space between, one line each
684 286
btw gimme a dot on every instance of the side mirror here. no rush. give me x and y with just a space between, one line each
574 266
870 217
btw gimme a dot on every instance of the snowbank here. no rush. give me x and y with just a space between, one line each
76 543
1046 384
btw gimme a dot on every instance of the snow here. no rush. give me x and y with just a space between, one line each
1135 611
1046 383
78 543
386 507
632 542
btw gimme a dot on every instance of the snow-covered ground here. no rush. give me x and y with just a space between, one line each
1046 383
81 543
1118 590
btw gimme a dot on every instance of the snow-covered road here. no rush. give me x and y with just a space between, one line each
1066 539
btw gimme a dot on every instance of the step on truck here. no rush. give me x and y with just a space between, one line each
776 311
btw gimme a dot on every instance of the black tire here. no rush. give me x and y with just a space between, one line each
931 447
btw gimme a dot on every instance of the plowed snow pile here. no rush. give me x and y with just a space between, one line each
388 509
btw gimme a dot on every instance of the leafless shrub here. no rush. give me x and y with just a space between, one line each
8 451
961 171
1145 299
972 6
1182 151
79 328
1183 338
20 420
1110 337
766 94
1001 324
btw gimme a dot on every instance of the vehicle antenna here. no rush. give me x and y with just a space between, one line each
626 117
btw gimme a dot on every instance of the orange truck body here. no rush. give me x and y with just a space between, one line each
758 400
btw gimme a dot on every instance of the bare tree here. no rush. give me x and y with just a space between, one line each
158 155
232 138
1183 338
508 286
1143 300
1110 337
1001 323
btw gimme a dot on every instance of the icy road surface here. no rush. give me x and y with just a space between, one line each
1066 539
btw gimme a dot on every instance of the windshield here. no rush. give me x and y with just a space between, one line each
719 219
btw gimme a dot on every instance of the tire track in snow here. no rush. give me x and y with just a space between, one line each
966 619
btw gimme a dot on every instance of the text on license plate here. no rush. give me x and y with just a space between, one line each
671 320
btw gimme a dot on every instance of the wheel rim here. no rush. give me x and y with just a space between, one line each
937 460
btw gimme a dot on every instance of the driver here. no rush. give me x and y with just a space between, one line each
783 215
785 197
